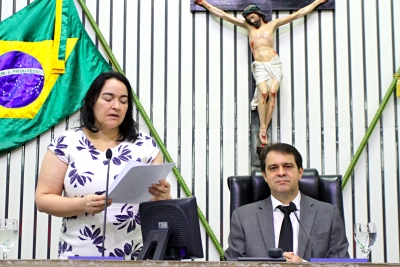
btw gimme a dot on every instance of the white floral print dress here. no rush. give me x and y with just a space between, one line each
82 235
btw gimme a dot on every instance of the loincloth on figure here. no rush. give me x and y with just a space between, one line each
264 71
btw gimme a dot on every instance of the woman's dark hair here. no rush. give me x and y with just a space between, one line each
128 129
283 148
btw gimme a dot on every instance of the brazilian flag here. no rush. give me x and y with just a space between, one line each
47 63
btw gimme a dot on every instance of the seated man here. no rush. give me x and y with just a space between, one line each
256 227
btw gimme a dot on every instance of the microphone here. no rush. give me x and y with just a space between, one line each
275 254
309 238
108 156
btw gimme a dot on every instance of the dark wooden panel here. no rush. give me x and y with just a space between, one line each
297 4
265 5
232 5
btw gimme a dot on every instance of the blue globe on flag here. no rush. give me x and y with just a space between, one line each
21 79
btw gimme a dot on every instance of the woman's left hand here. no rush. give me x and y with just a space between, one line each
161 191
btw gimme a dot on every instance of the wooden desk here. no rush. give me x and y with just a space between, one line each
57 263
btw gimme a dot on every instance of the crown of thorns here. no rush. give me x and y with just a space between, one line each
250 9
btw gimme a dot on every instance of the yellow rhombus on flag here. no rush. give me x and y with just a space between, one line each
47 63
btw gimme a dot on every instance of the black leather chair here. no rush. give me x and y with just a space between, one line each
249 189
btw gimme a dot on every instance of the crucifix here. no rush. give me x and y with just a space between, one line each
266 67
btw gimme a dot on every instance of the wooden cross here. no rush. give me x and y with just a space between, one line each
267 6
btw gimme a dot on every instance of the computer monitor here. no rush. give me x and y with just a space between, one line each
170 230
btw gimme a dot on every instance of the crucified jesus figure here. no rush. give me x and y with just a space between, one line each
267 66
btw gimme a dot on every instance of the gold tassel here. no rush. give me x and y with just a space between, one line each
398 85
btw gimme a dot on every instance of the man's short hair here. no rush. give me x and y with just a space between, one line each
283 148
253 9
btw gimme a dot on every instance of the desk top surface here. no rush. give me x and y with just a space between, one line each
56 263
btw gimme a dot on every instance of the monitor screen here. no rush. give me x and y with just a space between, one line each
170 230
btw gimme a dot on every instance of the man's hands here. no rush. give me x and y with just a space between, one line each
291 257
94 204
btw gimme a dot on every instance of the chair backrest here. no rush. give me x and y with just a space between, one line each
249 189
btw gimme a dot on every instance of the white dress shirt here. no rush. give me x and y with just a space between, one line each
278 219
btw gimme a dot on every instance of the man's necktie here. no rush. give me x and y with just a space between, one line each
286 235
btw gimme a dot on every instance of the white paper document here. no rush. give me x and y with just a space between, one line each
133 182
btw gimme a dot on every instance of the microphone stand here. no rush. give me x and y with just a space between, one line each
304 230
108 156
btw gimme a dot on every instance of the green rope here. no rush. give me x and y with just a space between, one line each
151 128
369 131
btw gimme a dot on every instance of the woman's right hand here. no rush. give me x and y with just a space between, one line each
94 204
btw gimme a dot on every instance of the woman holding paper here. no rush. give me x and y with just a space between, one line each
72 180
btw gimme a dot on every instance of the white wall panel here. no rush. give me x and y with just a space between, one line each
387 65
172 67
299 85
19 4
186 93
92 6
145 65
199 139
285 91
42 221
372 98
315 149
213 112
6 9
395 5
117 38
371 60
330 151
3 183
158 68
131 35
390 176
102 17
15 193
214 190
228 96
328 91
313 63
28 194
348 216
375 192
275 124
391 191
243 102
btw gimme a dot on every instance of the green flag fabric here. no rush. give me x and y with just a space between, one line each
47 63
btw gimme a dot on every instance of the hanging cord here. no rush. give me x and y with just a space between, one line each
152 129
370 129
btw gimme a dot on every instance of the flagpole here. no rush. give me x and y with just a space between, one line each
151 127
370 129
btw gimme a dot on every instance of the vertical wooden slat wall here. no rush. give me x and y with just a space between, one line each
191 73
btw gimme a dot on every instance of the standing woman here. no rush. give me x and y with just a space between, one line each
72 179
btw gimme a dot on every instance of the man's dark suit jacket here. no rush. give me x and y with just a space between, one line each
252 230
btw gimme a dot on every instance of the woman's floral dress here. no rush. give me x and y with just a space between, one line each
86 174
